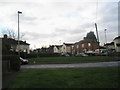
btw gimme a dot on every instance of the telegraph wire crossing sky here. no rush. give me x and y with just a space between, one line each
54 22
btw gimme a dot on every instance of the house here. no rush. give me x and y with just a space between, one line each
66 48
114 45
117 43
13 44
24 47
110 46
44 50
55 48
88 44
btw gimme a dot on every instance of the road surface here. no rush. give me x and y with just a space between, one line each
77 65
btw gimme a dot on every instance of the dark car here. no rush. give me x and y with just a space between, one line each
65 54
81 54
23 61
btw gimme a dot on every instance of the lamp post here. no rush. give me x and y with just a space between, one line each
18 34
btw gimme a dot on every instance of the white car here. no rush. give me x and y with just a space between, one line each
23 61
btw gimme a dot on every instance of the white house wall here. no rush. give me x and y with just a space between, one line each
63 49
56 50
66 49
116 41
24 48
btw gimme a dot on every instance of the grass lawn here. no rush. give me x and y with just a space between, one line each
68 78
70 59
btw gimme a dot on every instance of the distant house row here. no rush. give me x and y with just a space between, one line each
12 45
89 43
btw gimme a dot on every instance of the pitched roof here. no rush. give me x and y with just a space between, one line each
14 42
88 41
112 43
23 43
58 46
52 46
68 44
117 38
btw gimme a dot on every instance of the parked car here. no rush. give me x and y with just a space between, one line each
23 61
65 54
81 54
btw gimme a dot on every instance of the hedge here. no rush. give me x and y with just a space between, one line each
14 61
35 55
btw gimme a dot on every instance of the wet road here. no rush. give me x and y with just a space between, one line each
77 65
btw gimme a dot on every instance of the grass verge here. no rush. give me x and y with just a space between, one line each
70 59
68 78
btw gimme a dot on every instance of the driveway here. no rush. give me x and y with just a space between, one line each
75 65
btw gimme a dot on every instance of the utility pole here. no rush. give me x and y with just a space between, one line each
97 36
105 37
18 34
97 32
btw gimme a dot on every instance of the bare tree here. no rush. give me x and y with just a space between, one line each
11 33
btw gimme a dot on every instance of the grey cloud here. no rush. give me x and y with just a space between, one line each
37 36
23 18
78 30
28 18
109 13
61 4
109 19
68 36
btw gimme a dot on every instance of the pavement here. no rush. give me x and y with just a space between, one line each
74 65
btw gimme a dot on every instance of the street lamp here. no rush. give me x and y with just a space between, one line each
18 34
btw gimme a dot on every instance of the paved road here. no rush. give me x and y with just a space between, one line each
77 65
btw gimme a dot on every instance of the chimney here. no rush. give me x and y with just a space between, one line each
5 36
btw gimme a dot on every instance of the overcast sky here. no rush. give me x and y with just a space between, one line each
50 22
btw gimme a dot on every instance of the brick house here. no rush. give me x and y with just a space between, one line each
89 43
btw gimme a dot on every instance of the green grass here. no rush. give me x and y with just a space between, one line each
70 59
68 78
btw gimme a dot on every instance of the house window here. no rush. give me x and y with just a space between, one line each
77 46
82 45
89 44
72 47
